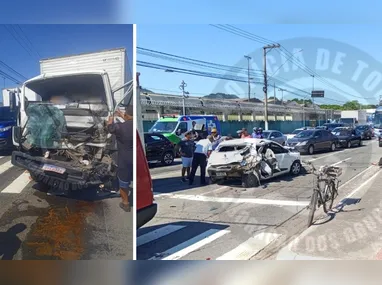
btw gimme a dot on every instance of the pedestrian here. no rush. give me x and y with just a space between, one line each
245 134
216 138
186 147
254 133
125 146
202 152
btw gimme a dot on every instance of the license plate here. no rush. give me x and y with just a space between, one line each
52 168
220 174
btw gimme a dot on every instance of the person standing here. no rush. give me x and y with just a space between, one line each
216 138
202 151
245 134
186 147
125 145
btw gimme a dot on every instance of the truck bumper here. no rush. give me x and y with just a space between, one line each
72 179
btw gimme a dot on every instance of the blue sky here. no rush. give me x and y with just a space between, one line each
57 40
207 43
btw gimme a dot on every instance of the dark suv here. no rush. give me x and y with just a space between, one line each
159 148
365 131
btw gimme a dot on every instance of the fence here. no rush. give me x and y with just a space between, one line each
233 126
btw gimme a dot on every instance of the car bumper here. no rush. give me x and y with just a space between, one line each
146 214
74 178
299 148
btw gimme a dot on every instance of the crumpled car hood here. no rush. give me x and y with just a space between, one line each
221 158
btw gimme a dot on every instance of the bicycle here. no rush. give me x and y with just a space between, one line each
323 195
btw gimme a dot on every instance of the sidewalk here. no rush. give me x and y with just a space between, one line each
353 232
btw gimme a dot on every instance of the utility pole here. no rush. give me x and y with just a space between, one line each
265 88
282 95
181 87
249 84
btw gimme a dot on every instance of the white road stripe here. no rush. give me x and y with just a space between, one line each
191 245
239 200
340 162
18 184
362 185
355 177
250 247
317 158
5 166
157 234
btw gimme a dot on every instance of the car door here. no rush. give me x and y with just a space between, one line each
318 140
282 156
279 138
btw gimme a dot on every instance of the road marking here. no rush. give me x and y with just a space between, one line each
340 162
5 166
157 234
166 175
250 247
18 184
355 177
317 158
361 186
239 200
191 245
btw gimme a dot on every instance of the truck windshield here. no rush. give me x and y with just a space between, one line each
6 114
163 127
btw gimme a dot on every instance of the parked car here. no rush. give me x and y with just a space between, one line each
275 136
297 131
331 126
159 148
310 141
347 137
365 131
245 159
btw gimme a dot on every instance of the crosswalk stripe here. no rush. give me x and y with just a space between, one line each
239 200
157 234
5 166
191 245
250 247
18 184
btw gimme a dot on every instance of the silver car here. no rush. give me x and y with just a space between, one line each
275 136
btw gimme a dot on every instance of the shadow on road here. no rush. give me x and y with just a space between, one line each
161 241
10 242
174 184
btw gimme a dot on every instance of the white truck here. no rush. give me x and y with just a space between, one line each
63 140
354 117
14 94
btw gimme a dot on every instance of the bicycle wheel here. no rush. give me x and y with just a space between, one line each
312 206
333 191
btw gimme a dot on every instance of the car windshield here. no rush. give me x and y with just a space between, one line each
266 134
361 127
295 132
305 134
342 133
6 114
163 127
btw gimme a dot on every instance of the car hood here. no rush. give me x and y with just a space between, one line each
297 140
290 136
223 158
4 124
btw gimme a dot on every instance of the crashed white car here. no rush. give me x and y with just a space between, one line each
251 160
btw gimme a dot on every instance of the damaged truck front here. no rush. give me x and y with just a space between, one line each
63 140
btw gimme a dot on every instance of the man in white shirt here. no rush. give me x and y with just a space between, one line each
203 149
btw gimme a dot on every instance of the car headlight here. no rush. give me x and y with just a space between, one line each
302 143
5 129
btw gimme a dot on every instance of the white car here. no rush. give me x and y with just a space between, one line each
251 160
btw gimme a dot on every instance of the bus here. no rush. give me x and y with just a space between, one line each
377 121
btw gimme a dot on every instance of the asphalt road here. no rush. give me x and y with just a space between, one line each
228 222
37 224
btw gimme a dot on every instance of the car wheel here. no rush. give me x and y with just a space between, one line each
333 147
250 180
311 149
295 169
349 144
167 158
359 143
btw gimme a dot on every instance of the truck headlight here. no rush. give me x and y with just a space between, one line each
5 129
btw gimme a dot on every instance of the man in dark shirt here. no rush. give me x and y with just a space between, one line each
187 147
124 135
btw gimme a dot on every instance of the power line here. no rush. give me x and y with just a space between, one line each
12 70
15 37
303 67
32 47
9 77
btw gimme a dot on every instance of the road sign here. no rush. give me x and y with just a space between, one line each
318 94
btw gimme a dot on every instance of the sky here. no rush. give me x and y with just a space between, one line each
46 41
208 43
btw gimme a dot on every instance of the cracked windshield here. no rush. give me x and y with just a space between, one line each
66 142
265 145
